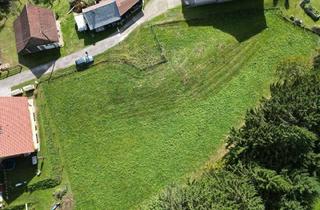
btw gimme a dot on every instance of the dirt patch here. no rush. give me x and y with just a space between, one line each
67 202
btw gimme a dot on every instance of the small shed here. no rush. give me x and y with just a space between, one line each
80 22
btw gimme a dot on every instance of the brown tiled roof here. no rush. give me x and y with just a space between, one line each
125 5
35 26
15 127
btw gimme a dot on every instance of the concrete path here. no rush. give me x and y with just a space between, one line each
153 8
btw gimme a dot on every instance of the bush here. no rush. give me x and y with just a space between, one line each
293 67
44 184
220 189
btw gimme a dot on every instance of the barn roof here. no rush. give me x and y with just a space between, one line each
15 127
35 26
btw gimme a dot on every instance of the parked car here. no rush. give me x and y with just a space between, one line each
84 62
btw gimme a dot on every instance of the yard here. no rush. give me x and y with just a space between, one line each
131 124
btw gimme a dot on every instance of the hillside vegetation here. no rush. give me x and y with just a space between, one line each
157 106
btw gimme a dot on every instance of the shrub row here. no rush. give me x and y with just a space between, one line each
45 184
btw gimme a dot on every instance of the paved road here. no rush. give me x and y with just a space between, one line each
153 9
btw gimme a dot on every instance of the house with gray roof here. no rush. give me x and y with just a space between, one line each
104 13
101 14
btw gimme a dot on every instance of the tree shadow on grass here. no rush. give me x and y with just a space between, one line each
23 172
242 19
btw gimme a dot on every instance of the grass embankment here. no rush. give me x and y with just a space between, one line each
125 133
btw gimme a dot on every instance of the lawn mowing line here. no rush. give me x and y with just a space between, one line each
214 74
165 103
233 70
247 50
207 60
231 51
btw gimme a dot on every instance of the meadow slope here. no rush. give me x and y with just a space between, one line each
127 130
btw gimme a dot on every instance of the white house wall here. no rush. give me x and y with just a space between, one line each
34 126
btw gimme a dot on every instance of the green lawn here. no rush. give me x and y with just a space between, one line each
126 130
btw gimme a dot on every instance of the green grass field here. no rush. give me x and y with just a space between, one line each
126 131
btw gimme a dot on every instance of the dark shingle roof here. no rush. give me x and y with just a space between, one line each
101 14
35 26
